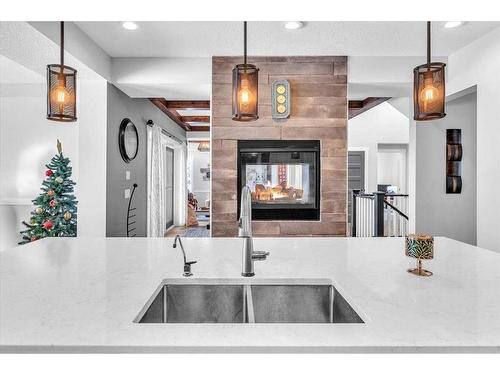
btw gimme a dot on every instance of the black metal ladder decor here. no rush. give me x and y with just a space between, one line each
131 214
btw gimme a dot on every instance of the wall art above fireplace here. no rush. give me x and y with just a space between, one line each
283 176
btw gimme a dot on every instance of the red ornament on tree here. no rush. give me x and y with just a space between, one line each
48 224
53 203
49 172
34 238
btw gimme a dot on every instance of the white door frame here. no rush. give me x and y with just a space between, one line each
180 188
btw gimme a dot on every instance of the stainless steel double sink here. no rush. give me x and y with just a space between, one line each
244 301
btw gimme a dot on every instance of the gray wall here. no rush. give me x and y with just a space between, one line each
139 111
438 213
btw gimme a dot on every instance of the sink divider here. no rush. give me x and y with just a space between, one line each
164 304
250 318
332 295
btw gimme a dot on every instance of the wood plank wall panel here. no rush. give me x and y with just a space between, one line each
319 111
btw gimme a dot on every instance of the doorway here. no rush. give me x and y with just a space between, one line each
392 168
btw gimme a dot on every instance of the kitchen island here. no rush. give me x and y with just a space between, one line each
83 294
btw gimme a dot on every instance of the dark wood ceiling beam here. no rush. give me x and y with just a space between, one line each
355 104
161 104
188 104
357 107
195 118
200 128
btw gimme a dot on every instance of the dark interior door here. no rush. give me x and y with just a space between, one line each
355 176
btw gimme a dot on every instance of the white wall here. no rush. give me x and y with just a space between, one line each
197 160
28 140
382 124
477 64
174 78
438 213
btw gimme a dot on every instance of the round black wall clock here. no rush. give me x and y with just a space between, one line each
128 140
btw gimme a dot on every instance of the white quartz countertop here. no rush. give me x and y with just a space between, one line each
82 295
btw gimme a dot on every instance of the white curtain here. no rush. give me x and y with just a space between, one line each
180 184
156 183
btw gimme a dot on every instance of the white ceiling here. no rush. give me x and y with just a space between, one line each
204 39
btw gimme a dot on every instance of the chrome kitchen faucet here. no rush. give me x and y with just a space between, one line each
245 232
187 265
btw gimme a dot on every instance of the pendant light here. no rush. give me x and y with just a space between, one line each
61 89
429 87
204 146
245 87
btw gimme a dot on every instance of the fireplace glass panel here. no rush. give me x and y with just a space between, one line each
283 177
281 182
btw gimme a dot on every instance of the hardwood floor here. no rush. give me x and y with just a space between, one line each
182 230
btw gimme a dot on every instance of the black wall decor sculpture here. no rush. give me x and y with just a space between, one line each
453 161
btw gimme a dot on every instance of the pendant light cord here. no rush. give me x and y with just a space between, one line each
245 42
428 42
62 44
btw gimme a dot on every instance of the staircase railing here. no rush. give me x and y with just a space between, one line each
379 214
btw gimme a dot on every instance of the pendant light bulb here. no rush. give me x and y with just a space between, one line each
244 92
59 94
429 93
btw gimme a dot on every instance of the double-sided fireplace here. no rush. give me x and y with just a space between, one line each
283 176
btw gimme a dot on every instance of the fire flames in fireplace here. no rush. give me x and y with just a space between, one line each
280 193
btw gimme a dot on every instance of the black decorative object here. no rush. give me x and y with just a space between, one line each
61 89
131 214
128 140
429 87
453 161
245 88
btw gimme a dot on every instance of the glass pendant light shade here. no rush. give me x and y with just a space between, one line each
61 89
429 91
245 92
245 87
428 87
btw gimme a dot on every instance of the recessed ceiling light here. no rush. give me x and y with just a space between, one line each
129 25
294 25
453 24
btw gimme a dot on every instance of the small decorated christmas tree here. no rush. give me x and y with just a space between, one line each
55 212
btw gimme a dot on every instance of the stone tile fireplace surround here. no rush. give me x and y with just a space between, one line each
319 112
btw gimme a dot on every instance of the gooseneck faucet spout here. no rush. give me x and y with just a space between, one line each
245 232
187 265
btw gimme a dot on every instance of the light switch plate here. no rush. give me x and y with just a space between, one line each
127 193
127 175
